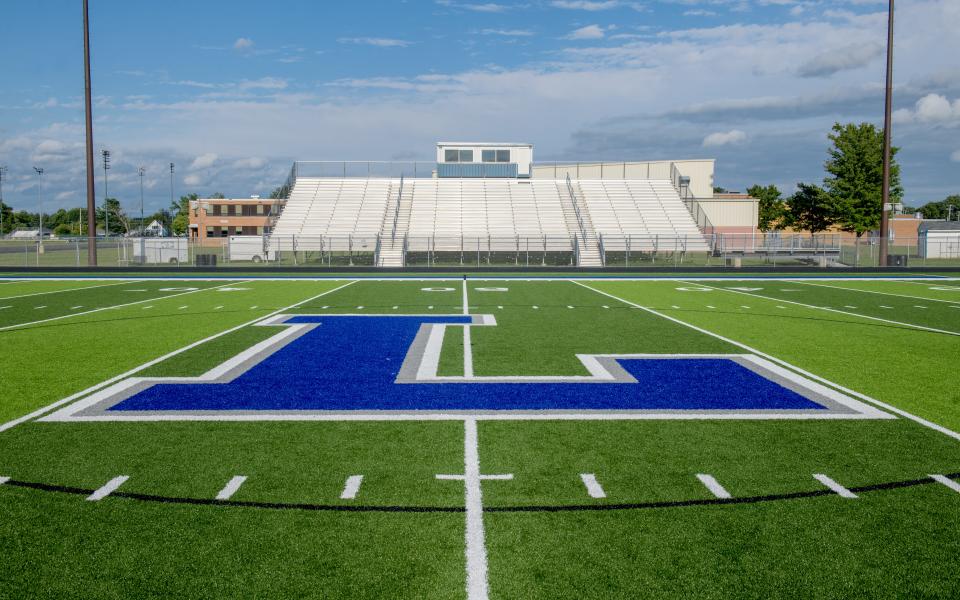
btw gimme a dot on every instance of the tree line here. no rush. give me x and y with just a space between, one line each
850 196
67 222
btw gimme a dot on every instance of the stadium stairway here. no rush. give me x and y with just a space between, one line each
393 230
588 246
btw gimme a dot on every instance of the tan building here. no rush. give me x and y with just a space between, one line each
213 220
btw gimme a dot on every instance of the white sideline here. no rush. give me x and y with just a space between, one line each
714 486
42 411
828 309
108 488
96 310
805 373
953 485
351 488
231 488
62 291
837 287
593 486
834 486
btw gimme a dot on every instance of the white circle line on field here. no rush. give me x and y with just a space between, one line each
443 289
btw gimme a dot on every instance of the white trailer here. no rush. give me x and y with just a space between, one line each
160 250
247 248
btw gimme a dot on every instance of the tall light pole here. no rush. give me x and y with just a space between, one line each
3 173
40 203
88 106
105 154
887 123
171 196
141 171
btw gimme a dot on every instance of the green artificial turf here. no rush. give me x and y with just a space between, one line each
899 542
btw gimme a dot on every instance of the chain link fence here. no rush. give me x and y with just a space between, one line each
738 250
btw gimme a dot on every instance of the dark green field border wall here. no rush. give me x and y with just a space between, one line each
245 272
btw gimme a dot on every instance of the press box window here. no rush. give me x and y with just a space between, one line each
496 156
453 156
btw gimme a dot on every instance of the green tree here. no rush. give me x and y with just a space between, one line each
181 214
770 206
62 230
280 193
7 220
119 223
855 176
811 209
217 196
941 210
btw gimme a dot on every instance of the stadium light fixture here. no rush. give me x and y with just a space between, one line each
887 123
88 115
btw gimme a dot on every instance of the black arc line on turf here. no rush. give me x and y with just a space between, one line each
876 487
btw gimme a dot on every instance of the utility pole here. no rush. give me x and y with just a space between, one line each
887 124
88 105
170 225
106 193
3 172
40 203
143 244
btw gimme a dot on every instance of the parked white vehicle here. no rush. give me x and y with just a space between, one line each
247 248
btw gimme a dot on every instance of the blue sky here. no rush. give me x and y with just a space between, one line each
233 92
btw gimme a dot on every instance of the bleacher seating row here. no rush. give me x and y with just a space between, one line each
450 210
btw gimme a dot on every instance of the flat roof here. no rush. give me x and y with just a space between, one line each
511 144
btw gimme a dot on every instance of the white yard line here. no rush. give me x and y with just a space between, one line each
833 310
593 486
42 411
96 310
231 488
90 287
805 373
837 287
466 303
108 488
351 488
950 483
834 486
476 550
467 352
714 486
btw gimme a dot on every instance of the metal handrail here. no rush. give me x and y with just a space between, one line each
576 209
689 200
396 212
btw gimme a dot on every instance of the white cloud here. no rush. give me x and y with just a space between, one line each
955 157
204 161
932 108
243 44
844 58
488 7
507 32
252 163
589 32
585 4
699 12
374 41
725 138
192 180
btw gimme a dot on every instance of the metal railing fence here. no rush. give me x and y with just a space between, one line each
720 249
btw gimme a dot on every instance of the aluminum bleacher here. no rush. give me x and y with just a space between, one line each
489 214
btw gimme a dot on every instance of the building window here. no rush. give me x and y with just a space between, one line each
452 156
210 233
496 156
215 210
